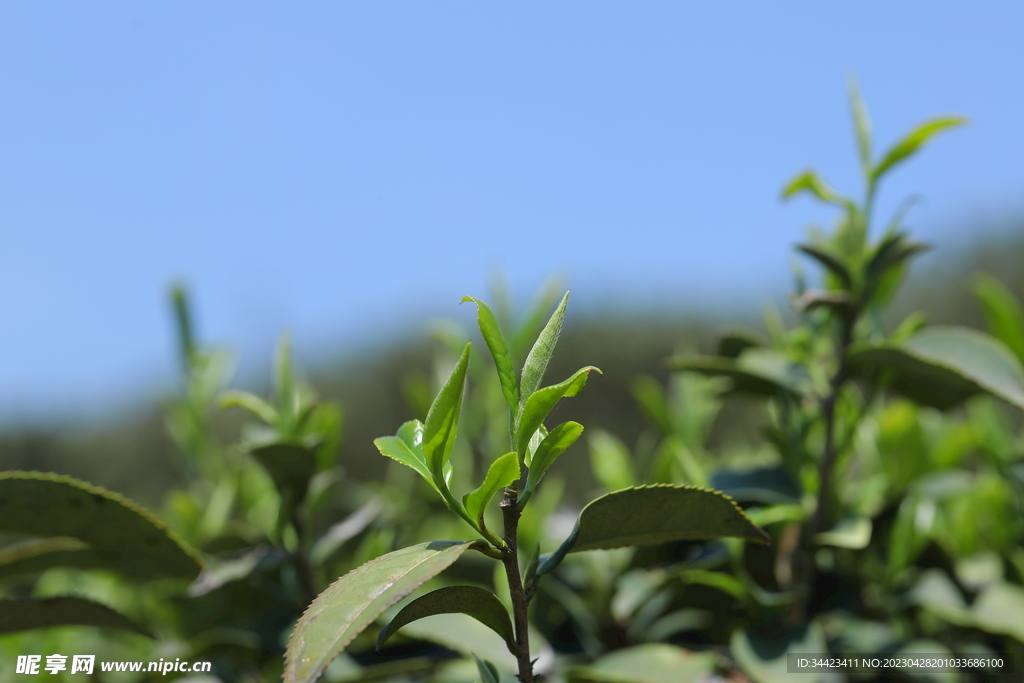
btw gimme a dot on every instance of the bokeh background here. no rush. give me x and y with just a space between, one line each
349 171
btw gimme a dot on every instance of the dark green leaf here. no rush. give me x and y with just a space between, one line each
649 663
734 343
35 556
32 613
648 515
760 485
476 602
488 672
495 341
541 403
540 354
354 601
553 445
38 504
758 371
443 418
942 366
839 303
502 472
290 465
833 262
914 140
889 255
1003 313
407 448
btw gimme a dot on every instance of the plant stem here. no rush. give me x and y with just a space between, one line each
520 600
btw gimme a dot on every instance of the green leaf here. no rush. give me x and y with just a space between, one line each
611 461
999 608
36 504
849 532
862 126
488 672
1003 313
734 343
889 256
38 555
290 465
407 448
759 485
540 354
254 404
651 398
649 663
443 418
763 657
553 445
832 261
476 602
354 601
943 366
495 341
32 613
541 403
761 372
502 472
808 181
913 141
648 515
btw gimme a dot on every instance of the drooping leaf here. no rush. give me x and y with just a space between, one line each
33 613
540 354
541 402
759 485
732 344
254 404
610 461
354 601
553 445
761 372
290 465
502 472
495 341
648 515
942 366
36 504
810 182
833 262
443 418
763 656
1003 313
488 672
407 448
649 663
476 602
914 140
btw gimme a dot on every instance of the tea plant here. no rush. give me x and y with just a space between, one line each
631 516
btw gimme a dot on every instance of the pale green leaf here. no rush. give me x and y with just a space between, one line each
808 181
502 472
649 663
1003 313
488 672
914 140
553 445
540 354
476 602
541 402
862 126
442 423
495 341
407 448
849 532
354 601
611 461
254 404
763 657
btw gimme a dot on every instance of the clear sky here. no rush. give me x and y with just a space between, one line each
348 170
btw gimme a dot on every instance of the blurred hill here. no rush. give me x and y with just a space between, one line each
133 454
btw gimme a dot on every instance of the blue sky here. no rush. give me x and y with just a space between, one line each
349 170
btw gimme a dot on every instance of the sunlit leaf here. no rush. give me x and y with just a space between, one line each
942 366
649 515
553 445
476 602
541 402
443 418
540 354
649 663
810 182
407 448
495 341
502 472
611 461
914 140
1003 313
849 532
254 404
763 656
33 613
861 125
38 504
354 601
